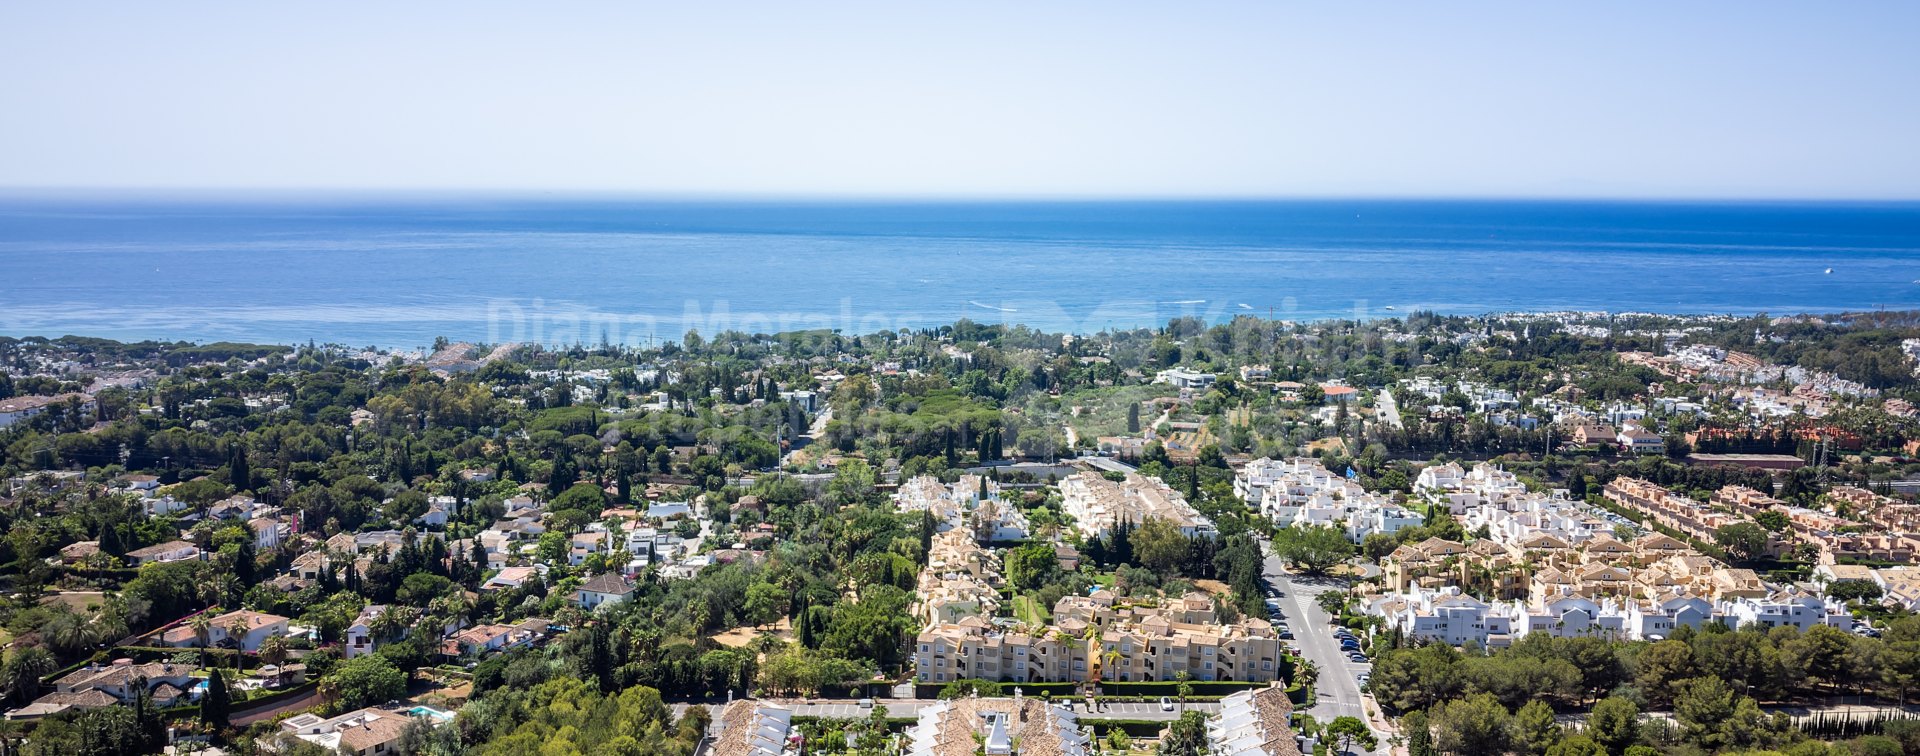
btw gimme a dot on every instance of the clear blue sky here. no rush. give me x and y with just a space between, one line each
1637 99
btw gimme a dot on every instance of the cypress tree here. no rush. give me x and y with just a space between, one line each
237 470
243 562
218 703
110 542
563 474
803 630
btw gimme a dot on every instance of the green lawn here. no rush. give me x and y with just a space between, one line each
1027 610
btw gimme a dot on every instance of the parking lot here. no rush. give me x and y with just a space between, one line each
1142 710
850 710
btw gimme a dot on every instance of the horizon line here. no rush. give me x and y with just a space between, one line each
266 194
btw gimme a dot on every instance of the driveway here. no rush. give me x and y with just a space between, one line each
305 700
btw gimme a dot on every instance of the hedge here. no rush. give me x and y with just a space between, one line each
1199 688
1135 728
1154 689
895 724
242 708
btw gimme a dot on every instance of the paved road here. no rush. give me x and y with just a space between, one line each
1338 689
1108 463
1388 410
305 700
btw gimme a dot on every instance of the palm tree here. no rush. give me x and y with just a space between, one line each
108 625
67 633
452 606
237 633
210 592
329 689
202 628
24 670
231 589
273 649
1183 685
387 623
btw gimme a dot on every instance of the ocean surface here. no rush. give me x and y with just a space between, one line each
397 272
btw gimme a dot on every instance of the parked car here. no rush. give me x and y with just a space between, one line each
1166 704
866 703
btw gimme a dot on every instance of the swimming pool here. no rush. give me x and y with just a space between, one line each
437 715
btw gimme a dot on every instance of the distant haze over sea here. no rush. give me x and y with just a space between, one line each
398 272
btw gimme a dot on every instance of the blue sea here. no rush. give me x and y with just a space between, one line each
399 271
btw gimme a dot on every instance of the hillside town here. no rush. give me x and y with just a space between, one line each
1572 533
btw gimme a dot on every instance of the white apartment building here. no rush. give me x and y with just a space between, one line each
1301 492
1445 615
1098 504
1801 610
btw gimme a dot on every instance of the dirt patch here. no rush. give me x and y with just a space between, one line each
739 637
1214 587
1338 445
